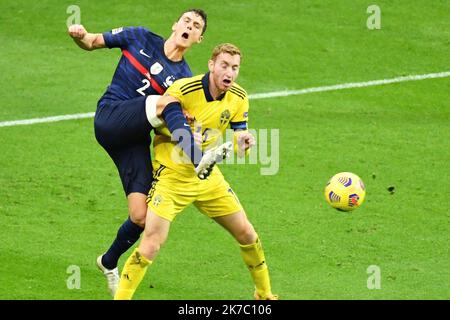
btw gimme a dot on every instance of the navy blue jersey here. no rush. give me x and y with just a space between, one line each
142 45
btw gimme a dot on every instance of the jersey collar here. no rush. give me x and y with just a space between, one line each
205 83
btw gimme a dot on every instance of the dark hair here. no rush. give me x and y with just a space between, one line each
199 12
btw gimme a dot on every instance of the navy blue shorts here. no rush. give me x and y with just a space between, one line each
122 129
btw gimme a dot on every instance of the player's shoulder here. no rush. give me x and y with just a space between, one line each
146 32
140 29
186 85
238 91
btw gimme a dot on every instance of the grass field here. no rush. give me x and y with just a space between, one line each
61 200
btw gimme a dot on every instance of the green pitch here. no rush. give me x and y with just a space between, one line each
61 200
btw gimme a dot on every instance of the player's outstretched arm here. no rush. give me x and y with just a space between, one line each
85 40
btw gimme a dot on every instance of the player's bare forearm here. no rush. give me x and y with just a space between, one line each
85 40
89 42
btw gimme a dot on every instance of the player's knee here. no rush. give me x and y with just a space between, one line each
247 235
152 249
138 214
149 249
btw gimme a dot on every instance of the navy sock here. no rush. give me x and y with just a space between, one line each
128 234
175 120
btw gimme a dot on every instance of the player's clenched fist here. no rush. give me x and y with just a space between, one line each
77 31
245 141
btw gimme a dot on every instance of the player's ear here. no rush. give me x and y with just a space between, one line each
211 65
174 26
200 39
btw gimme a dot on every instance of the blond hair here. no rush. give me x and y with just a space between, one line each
225 48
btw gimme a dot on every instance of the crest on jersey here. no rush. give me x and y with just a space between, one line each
156 68
157 200
117 30
225 117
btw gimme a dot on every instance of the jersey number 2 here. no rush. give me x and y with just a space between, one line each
144 87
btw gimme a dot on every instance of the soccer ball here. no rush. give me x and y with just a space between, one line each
345 191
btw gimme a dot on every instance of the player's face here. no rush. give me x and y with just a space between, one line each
224 70
188 30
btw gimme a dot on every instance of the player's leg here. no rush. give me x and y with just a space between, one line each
137 208
122 123
155 234
181 133
219 202
135 170
122 129
239 227
167 197
251 251
129 232
129 120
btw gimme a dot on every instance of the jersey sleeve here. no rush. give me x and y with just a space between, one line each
240 118
175 91
121 37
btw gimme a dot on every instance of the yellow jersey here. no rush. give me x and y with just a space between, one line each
212 117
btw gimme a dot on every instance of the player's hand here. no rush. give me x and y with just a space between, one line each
245 141
77 31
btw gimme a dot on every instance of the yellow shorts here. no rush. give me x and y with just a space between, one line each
171 193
